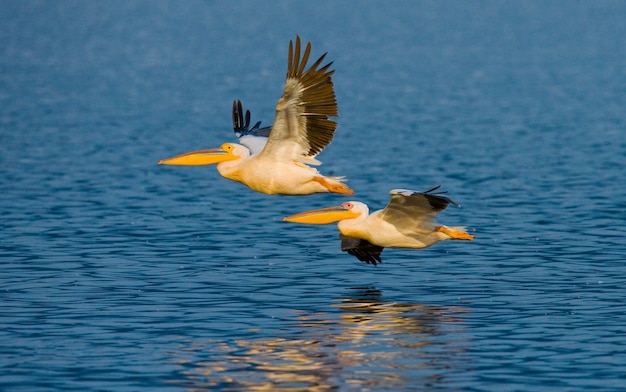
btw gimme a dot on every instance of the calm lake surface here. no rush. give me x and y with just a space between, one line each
119 274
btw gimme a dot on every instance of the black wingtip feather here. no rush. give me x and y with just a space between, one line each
362 249
437 200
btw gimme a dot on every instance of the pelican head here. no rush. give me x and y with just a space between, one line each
226 152
347 210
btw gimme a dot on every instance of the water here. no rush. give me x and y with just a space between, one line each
118 274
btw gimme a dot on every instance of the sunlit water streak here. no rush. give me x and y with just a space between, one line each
369 343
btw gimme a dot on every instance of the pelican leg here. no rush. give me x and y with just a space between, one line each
455 234
334 188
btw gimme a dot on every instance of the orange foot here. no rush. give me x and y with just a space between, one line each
334 187
455 234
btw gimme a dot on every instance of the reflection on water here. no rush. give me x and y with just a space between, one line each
351 347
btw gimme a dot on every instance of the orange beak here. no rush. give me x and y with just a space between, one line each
322 216
201 157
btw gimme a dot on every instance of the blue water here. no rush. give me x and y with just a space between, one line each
119 274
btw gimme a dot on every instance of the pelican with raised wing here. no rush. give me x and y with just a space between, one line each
408 221
302 129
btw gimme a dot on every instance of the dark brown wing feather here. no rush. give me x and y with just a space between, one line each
302 113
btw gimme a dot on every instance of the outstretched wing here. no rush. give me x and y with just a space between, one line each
241 124
361 249
414 212
302 128
254 138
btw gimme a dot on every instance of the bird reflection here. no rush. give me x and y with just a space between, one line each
369 343
366 314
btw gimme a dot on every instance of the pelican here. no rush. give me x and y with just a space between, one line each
408 221
301 130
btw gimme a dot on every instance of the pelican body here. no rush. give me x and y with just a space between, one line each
301 130
408 221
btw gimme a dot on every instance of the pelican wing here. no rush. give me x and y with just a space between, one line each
241 124
253 138
363 250
302 128
413 212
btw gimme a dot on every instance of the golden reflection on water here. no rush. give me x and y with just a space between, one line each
370 343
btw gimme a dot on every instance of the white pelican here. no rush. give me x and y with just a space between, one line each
301 130
408 221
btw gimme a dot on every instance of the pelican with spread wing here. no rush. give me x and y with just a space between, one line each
302 129
408 221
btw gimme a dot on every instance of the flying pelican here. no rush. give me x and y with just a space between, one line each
301 130
408 221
